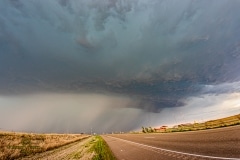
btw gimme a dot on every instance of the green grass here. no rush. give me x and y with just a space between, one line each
101 149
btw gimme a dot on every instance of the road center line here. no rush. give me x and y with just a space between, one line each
167 150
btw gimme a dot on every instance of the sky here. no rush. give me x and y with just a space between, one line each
116 65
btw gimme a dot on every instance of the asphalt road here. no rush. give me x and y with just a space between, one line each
222 143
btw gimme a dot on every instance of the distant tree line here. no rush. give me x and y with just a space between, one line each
148 130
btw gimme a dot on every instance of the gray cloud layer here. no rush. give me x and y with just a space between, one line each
157 52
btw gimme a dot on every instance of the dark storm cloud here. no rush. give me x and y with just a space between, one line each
158 52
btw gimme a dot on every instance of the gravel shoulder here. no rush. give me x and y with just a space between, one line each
75 150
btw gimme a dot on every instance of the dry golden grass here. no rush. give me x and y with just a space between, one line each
15 145
222 122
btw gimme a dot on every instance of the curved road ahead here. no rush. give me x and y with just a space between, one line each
222 143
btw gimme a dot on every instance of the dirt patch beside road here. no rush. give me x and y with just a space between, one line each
76 150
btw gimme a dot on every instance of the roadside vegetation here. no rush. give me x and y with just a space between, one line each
101 149
16 145
218 123
148 130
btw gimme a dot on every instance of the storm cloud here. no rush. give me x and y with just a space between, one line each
158 53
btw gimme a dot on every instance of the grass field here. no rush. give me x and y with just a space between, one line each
16 145
222 122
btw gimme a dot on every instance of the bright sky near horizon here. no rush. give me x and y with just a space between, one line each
117 65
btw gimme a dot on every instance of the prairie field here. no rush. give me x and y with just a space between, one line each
217 123
15 145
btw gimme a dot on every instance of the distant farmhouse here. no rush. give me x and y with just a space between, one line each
161 129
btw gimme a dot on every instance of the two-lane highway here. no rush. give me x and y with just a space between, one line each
222 143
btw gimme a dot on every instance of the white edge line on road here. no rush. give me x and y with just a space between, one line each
190 154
